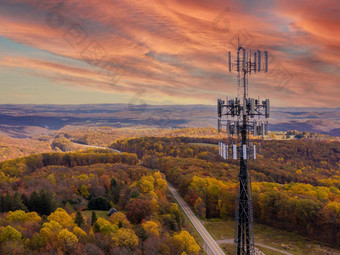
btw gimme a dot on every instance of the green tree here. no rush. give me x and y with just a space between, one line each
99 203
93 218
33 202
79 220
114 190
47 204
9 203
17 203
42 203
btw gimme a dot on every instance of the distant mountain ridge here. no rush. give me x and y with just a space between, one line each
17 120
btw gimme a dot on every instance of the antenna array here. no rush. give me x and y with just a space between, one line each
239 118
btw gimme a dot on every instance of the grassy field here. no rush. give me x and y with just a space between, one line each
88 213
283 240
228 249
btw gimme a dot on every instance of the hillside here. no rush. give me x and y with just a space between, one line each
58 203
29 120
295 183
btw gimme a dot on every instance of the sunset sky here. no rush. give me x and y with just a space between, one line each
166 51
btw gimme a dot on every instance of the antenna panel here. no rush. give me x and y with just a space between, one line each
255 61
252 106
238 61
244 151
229 57
244 59
267 108
220 104
234 151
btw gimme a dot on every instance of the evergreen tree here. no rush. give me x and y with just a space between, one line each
17 203
99 203
113 183
24 199
47 204
79 220
2 204
33 202
114 191
9 203
93 218
96 227
44 203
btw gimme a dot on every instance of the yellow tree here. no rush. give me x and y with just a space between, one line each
67 239
81 234
146 184
186 243
200 207
160 182
84 191
62 217
18 215
331 218
105 227
120 220
151 228
50 230
10 234
125 237
22 217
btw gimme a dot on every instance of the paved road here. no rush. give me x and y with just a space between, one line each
231 241
97 147
210 242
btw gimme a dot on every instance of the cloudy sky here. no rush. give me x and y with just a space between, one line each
166 51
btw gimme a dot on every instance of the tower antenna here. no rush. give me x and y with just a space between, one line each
236 118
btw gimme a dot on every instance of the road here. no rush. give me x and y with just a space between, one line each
209 241
97 147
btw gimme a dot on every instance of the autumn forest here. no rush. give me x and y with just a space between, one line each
100 201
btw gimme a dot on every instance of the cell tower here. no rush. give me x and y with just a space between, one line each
241 117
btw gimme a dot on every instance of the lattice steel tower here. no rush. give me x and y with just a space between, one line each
241 117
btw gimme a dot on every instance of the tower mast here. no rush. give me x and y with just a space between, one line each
241 122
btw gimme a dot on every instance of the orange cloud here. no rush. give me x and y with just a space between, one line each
178 49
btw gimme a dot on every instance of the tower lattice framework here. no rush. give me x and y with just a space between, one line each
239 118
